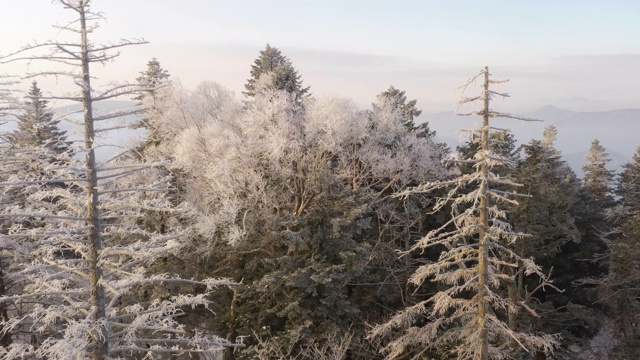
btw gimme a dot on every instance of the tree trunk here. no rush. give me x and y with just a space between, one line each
482 352
229 352
99 345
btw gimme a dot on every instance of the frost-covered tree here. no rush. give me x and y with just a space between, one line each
290 202
37 126
34 150
396 98
596 199
152 79
467 318
86 263
628 183
283 76
598 179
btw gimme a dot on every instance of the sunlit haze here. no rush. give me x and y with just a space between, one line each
581 55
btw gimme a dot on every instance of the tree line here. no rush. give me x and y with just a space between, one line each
288 226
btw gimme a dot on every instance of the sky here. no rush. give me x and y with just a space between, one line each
581 55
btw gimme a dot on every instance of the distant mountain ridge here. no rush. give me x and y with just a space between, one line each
617 130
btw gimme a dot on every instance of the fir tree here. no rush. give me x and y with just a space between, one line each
619 288
396 99
152 79
547 212
282 74
37 127
467 318
598 179
551 188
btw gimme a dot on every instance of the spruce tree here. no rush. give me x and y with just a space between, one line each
467 318
37 127
151 81
619 289
551 188
153 78
550 194
397 99
280 73
598 179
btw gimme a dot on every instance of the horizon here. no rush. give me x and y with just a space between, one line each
574 55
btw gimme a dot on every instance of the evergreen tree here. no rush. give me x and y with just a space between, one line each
595 201
551 188
151 80
628 184
33 151
466 318
37 127
598 179
396 99
619 289
296 205
281 75
502 143
547 212
88 261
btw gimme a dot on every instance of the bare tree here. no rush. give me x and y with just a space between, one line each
468 318
88 257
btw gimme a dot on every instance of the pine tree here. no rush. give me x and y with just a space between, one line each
598 179
619 288
282 75
547 212
467 318
34 151
37 126
152 79
552 189
628 184
396 99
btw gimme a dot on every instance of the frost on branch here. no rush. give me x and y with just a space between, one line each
472 316
73 228
287 194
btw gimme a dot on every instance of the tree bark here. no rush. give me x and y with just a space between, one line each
482 352
99 345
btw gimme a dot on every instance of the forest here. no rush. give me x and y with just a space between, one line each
278 224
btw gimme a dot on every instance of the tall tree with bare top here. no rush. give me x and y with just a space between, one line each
88 260
468 318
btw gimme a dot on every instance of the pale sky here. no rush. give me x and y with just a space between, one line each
582 55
